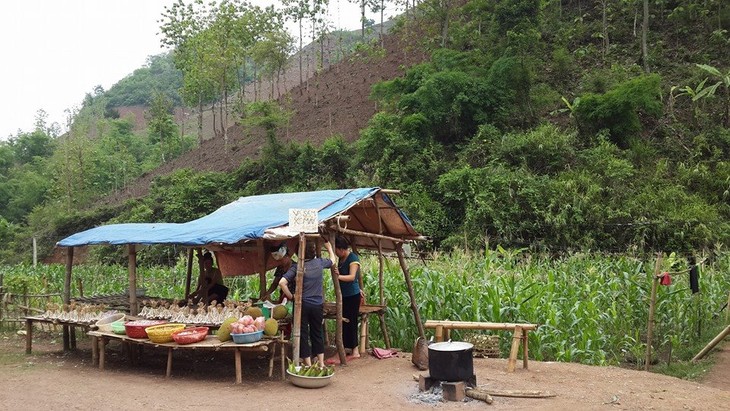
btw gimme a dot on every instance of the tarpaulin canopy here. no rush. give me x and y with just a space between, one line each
249 218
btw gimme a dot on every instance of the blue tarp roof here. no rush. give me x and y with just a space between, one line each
244 219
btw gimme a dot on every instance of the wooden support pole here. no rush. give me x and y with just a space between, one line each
132 266
381 287
363 334
338 305
28 336
168 371
189 273
239 374
67 294
524 349
94 350
297 326
262 273
102 352
411 294
438 335
516 338
282 347
384 329
652 307
712 343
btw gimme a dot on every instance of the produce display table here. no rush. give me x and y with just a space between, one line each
211 342
69 328
519 334
330 312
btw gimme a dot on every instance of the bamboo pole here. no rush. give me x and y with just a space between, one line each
380 257
297 326
652 307
371 235
132 266
189 273
67 294
411 295
724 333
475 325
262 274
338 304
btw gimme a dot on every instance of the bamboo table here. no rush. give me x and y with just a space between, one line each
519 335
70 326
330 312
99 340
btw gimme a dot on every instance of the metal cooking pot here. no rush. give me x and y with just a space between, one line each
451 361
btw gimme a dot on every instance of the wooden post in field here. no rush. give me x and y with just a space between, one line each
652 304
35 253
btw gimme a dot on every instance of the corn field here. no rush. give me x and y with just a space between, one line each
591 308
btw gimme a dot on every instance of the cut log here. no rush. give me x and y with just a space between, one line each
519 393
479 394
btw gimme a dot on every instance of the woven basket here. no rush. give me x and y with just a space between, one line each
485 345
137 328
190 335
163 333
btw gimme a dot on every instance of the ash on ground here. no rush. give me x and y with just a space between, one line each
434 396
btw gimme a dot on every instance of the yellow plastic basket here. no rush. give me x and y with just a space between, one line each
163 333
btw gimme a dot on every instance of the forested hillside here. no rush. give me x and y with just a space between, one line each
553 125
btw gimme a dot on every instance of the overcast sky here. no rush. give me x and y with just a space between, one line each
56 51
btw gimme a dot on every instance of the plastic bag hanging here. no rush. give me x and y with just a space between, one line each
694 276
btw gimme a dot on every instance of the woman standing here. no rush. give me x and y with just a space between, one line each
311 343
349 268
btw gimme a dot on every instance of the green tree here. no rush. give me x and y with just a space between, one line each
161 125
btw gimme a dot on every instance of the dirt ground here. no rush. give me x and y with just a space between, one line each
52 379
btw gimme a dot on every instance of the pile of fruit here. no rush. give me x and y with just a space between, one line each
314 370
248 324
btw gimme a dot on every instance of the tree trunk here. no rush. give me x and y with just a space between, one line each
362 19
301 48
445 22
200 119
644 32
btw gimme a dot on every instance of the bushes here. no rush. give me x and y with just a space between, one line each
619 109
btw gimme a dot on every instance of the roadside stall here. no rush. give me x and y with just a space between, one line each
242 233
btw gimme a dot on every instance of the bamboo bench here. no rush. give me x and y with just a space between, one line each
443 331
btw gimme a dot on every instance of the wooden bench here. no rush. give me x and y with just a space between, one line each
443 331
365 311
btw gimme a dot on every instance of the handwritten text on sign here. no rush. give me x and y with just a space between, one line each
303 220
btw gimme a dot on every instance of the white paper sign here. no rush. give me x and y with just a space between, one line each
304 220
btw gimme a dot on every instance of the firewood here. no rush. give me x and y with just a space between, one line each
478 394
519 393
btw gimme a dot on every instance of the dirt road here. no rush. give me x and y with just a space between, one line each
52 379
